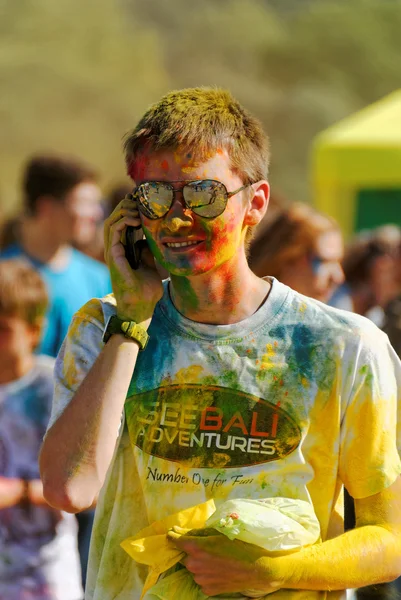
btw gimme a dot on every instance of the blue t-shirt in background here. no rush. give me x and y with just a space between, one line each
82 279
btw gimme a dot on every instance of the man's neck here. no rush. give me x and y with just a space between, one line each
38 242
226 295
13 369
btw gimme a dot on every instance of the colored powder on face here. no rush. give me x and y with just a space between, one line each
164 165
137 167
152 245
187 169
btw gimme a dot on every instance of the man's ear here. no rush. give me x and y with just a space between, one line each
257 204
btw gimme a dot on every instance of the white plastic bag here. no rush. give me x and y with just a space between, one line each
275 524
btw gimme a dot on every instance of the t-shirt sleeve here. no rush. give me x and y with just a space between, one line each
78 353
369 459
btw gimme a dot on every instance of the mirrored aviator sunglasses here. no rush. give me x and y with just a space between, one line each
206 197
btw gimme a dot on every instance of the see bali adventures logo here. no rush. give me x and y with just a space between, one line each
210 426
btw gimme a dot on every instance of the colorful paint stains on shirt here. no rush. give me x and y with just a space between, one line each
294 401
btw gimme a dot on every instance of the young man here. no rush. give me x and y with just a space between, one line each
62 206
233 386
38 544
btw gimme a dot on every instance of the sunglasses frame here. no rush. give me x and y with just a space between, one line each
136 195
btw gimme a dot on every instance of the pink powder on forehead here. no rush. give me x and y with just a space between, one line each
137 167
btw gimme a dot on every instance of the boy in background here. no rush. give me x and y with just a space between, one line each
38 544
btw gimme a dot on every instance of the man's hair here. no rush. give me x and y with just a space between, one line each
55 176
201 121
291 234
22 291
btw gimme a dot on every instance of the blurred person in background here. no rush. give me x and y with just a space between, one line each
115 195
95 245
392 312
9 232
61 206
38 544
372 279
303 249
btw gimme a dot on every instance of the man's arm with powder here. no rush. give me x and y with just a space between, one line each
366 555
79 446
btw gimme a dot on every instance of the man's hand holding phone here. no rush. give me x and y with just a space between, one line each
137 291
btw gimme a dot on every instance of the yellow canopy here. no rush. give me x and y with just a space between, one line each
362 151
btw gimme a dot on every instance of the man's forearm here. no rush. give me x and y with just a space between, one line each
78 448
366 555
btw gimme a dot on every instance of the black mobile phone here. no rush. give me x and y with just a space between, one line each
133 246
135 243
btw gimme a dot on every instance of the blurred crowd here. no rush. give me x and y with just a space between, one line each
51 263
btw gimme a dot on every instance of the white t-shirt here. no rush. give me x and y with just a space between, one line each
294 401
38 545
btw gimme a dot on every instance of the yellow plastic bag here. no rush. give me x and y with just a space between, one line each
179 585
278 525
152 547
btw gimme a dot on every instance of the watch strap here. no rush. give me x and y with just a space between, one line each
129 329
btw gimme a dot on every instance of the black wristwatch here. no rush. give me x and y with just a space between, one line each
129 329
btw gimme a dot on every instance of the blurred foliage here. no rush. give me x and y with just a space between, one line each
75 76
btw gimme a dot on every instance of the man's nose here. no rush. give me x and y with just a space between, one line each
178 217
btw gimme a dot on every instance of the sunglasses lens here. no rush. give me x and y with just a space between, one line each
155 199
207 198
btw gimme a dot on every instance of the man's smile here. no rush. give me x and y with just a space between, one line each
181 244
